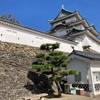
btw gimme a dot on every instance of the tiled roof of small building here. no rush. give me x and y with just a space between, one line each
89 55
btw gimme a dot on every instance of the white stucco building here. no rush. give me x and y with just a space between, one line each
15 33
88 66
71 26
70 30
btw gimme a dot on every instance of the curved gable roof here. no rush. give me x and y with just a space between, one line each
63 13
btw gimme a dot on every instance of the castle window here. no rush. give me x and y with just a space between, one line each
67 31
63 22
1 34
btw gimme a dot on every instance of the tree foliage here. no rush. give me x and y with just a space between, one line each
53 61
9 18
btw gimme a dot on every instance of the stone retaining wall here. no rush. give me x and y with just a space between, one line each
15 62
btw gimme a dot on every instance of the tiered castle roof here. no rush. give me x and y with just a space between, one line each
74 25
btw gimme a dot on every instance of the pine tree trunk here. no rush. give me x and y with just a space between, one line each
57 89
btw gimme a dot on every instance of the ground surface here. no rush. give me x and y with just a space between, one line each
75 97
64 97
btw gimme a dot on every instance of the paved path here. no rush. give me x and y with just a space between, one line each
74 97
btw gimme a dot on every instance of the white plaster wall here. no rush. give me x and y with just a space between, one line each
15 35
58 23
95 67
80 27
60 32
79 45
94 45
80 66
71 19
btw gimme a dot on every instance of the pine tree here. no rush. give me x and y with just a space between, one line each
52 63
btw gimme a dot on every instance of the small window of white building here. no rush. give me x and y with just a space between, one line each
63 22
11 33
78 77
9 30
39 39
96 76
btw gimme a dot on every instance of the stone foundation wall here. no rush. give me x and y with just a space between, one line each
15 62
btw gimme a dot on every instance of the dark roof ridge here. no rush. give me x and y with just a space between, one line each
66 10
87 54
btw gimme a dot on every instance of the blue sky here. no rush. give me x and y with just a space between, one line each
36 13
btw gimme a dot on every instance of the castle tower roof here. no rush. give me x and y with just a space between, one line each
63 12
